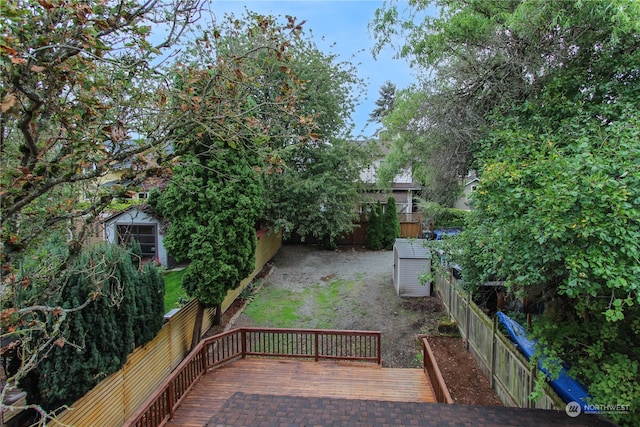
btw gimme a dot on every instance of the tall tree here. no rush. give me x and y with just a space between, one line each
78 96
315 193
214 199
213 203
385 103
375 228
391 223
556 149
422 137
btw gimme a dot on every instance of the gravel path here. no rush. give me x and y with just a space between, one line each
367 301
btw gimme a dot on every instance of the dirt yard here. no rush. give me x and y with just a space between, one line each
353 289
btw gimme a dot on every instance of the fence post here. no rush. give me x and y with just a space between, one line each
532 385
466 319
492 362
316 345
450 288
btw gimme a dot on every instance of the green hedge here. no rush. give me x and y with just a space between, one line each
125 310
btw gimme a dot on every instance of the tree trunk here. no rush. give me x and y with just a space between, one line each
197 327
218 319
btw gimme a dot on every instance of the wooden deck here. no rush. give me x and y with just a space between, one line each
344 380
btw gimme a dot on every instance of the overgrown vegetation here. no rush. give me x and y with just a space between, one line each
542 98
442 217
121 307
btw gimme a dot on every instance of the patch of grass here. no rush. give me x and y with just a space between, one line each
326 301
277 308
173 289
282 308
326 295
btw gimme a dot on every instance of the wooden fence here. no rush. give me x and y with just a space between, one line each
212 352
410 228
115 398
510 374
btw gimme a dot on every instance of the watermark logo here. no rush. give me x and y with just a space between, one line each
573 409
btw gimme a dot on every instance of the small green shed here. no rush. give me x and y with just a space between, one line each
411 259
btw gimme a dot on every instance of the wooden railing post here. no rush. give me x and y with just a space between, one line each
170 392
203 354
317 346
379 337
243 335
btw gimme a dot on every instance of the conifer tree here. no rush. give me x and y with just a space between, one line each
100 335
391 224
374 238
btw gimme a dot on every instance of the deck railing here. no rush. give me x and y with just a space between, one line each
432 371
314 344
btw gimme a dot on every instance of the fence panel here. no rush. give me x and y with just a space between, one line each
511 375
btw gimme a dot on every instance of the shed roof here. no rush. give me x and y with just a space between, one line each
412 248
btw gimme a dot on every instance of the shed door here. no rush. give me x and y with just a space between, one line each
144 234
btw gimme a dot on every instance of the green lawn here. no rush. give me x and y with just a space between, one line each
172 289
315 307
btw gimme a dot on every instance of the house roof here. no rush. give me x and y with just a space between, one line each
141 207
265 410
406 186
400 198
471 181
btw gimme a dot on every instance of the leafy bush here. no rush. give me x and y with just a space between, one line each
452 218
443 217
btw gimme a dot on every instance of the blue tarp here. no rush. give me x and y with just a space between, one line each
567 388
446 232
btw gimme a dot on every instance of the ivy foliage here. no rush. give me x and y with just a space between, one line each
122 307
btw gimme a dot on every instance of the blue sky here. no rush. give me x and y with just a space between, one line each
343 23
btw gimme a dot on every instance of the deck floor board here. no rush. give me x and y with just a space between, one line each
300 378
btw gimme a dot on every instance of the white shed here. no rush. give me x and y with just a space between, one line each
145 228
411 259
